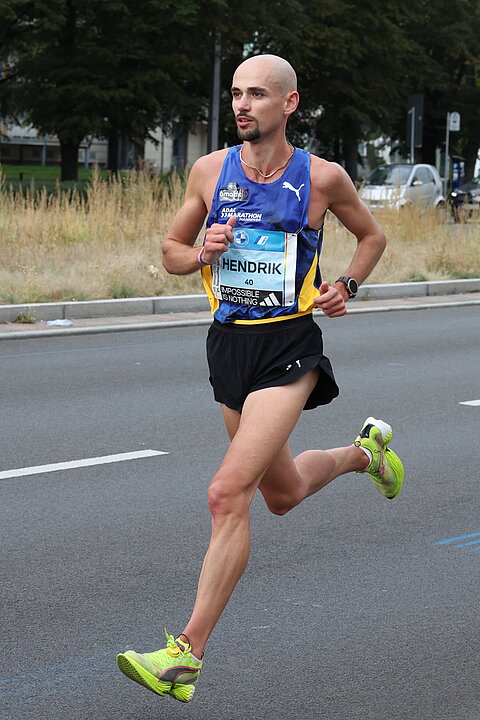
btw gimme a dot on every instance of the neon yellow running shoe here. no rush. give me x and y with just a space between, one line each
386 468
171 671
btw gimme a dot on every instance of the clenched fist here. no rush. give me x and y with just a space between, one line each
330 301
217 238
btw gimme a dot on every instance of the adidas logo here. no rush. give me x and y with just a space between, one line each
270 301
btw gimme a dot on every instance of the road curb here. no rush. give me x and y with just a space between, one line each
145 324
127 307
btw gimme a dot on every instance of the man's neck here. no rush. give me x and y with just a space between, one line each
266 155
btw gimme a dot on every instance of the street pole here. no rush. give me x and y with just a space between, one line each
411 112
447 150
214 119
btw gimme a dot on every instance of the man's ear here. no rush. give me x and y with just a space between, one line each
291 102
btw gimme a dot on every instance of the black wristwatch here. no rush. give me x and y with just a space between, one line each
350 283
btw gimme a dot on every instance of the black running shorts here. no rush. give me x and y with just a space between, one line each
245 358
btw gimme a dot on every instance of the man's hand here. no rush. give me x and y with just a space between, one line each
330 301
217 238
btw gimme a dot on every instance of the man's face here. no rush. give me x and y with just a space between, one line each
257 102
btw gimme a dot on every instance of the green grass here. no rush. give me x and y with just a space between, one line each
27 178
37 172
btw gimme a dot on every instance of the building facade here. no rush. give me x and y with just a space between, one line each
21 145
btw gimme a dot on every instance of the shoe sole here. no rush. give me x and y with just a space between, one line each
397 465
137 673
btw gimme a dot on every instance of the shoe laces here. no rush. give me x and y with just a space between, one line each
176 647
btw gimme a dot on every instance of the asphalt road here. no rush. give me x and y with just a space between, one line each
349 607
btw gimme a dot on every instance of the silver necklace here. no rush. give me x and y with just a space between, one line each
252 167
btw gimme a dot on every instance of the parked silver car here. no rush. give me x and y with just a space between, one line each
402 184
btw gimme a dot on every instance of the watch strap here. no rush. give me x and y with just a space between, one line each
347 281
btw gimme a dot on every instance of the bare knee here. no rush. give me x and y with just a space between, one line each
228 495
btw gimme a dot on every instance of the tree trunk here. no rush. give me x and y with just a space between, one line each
113 150
350 156
470 154
430 143
69 160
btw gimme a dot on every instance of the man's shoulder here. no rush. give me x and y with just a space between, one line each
210 164
325 174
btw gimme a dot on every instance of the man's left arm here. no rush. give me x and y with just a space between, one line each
343 201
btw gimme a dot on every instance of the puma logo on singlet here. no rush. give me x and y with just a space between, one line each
288 186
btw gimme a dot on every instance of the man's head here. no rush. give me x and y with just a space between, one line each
264 95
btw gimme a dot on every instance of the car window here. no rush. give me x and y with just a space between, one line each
389 175
424 175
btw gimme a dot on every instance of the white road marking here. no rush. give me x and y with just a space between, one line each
86 462
470 402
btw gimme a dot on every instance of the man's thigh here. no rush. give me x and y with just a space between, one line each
262 430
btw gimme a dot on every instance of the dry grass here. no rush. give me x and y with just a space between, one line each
109 245
422 245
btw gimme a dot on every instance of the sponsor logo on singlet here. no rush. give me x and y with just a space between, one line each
233 193
240 238
244 217
289 186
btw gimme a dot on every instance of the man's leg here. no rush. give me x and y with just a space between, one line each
267 420
258 457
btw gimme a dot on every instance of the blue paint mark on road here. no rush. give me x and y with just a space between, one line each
31 686
472 542
467 545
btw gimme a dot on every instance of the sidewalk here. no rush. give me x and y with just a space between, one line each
102 316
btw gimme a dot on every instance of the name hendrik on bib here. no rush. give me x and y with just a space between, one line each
257 269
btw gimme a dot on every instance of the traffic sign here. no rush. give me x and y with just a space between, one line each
454 121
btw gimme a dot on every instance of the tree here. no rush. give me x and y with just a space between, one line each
355 56
56 62
119 68
447 71
106 67
10 32
151 76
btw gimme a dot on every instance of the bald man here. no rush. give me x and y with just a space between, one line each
265 203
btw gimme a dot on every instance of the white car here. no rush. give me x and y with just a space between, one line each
402 184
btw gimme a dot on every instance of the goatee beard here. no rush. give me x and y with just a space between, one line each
248 135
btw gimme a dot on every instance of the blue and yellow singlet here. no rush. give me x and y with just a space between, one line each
270 271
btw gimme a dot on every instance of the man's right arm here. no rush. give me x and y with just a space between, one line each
179 255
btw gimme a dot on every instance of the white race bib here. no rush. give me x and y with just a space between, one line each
257 269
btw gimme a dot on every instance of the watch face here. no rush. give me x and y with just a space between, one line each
352 286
